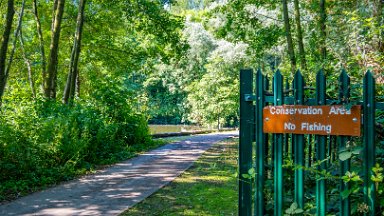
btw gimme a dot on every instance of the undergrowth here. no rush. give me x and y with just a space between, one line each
43 143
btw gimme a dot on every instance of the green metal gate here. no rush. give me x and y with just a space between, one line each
261 155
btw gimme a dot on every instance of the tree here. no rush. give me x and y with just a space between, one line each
291 50
28 64
378 13
16 35
4 47
70 87
50 81
300 35
323 33
41 43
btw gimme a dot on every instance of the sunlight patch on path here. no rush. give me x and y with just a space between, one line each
117 188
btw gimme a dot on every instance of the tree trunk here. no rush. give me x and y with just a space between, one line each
378 13
4 46
54 11
50 82
291 51
78 84
323 33
41 38
303 61
16 35
29 67
70 87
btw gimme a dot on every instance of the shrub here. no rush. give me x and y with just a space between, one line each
44 142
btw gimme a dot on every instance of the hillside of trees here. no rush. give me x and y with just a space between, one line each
81 79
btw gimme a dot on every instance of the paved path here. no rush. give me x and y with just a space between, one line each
115 189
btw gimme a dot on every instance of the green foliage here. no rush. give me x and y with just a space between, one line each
354 180
46 142
348 153
250 175
294 210
377 178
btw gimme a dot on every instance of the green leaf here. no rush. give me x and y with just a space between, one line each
377 178
377 168
251 171
356 178
345 194
294 206
355 189
357 151
345 155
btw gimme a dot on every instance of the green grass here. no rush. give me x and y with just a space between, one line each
209 187
172 139
156 129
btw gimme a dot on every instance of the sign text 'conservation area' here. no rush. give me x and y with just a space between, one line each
320 120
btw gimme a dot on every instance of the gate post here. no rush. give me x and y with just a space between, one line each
245 143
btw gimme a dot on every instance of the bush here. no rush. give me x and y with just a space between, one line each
42 143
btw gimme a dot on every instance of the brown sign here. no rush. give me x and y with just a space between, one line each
320 120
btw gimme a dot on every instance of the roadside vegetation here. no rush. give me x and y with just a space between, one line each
209 187
80 80
45 144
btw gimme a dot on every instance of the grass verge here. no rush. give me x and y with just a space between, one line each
209 187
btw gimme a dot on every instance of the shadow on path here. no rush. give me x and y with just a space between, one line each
117 188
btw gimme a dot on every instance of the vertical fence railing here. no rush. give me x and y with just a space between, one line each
298 144
278 148
245 142
321 141
261 145
305 150
344 94
369 141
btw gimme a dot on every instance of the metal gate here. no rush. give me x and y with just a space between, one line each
263 157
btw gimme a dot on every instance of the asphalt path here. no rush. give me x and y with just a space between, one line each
117 188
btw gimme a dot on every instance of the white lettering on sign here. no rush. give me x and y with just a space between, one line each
339 111
317 119
292 111
335 110
305 126
289 126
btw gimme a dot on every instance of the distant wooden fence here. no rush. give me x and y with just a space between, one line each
316 145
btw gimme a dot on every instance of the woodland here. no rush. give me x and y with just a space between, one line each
81 79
